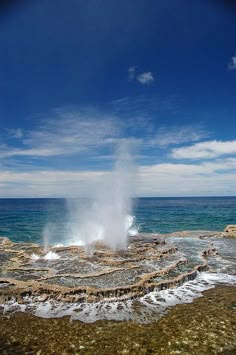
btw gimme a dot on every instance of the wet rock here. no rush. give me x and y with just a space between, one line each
230 230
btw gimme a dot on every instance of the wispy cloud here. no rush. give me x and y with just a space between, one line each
176 135
86 131
6 152
205 150
65 133
15 132
82 142
131 72
232 63
145 78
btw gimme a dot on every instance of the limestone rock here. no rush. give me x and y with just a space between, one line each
230 230
4 240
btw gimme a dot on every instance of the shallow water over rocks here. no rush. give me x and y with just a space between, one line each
140 283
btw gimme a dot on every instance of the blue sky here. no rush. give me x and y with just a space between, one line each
77 78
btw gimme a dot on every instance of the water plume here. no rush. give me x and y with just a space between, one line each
46 236
107 216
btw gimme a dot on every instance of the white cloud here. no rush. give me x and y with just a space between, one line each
205 150
204 179
49 183
145 78
175 135
167 179
232 63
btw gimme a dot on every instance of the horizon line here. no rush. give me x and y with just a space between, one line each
137 197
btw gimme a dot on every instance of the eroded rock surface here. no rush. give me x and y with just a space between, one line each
151 263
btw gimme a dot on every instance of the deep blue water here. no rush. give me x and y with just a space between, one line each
25 219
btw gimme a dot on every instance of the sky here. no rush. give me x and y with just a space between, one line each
78 78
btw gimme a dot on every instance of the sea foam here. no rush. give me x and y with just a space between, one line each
152 306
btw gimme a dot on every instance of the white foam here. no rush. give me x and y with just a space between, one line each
49 256
187 292
35 256
58 245
153 305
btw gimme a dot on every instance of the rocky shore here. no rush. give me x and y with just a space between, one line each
206 326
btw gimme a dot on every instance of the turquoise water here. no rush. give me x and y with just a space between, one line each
25 219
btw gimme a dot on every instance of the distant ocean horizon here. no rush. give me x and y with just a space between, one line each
25 219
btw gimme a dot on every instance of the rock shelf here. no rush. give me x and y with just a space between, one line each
150 263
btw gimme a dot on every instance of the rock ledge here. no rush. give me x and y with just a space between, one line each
230 230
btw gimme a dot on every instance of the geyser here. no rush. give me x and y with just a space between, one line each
107 216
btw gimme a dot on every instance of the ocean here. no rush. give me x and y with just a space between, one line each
24 220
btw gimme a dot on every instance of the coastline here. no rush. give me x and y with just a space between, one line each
205 326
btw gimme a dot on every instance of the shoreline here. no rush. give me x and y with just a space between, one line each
205 326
